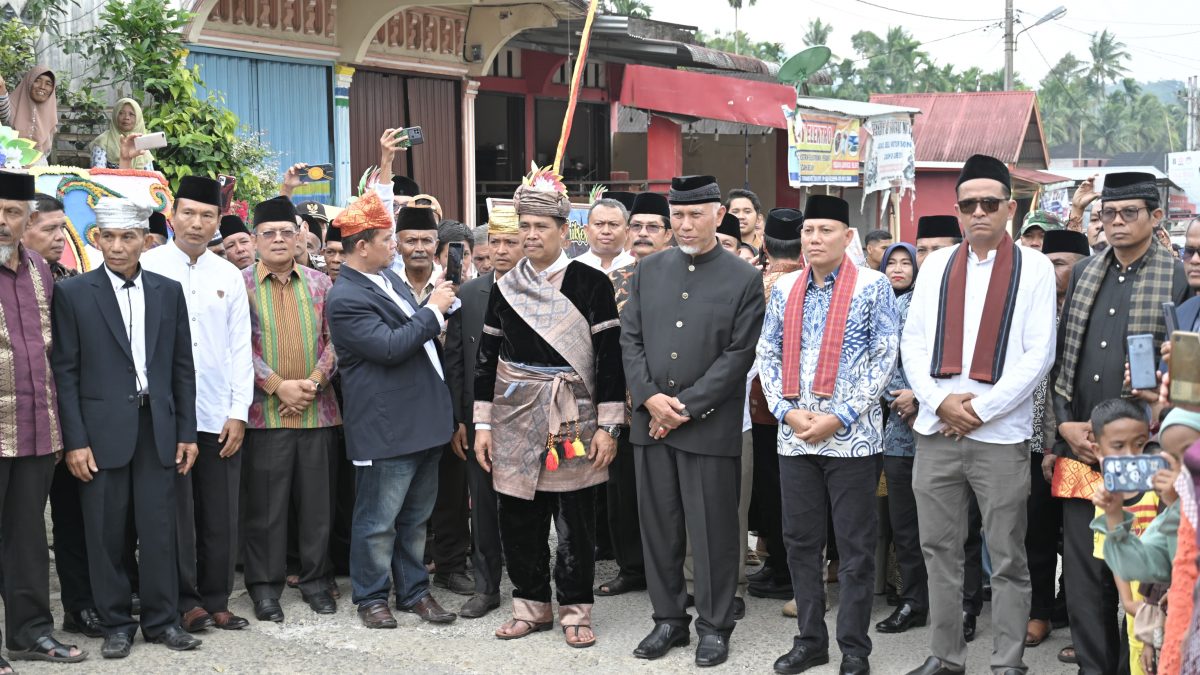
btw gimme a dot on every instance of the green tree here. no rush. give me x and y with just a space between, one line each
737 9
631 8
1108 61
18 54
771 52
817 33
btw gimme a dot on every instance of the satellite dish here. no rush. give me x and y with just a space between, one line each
799 68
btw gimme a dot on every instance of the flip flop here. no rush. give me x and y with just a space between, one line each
6 664
578 645
1067 654
533 628
46 648
619 586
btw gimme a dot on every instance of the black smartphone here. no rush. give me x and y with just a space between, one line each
415 136
316 173
455 251
1143 363
1170 318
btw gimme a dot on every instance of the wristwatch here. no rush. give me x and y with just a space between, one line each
612 430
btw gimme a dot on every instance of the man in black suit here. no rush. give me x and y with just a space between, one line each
397 415
462 346
688 333
127 399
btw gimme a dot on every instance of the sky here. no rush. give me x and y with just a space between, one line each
1160 35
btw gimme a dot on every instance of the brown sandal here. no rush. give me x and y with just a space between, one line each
579 644
533 628
1034 637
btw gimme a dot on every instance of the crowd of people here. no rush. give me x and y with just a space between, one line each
316 394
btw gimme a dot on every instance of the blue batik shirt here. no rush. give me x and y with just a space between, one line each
897 435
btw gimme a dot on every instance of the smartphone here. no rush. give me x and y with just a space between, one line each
150 141
1143 362
1185 368
316 173
415 136
1133 473
455 251
1170 318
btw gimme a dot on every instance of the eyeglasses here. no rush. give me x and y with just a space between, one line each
989 204
648 228
272 235
1189 251
1127 214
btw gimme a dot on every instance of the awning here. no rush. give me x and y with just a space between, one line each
707 96
1037 177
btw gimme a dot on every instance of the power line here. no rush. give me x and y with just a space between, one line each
921 44
1066 90
1139 47
928 16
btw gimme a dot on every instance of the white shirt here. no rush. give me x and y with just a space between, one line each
592 260
219 320
132 301
1006 407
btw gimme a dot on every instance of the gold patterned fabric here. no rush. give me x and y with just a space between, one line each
29 423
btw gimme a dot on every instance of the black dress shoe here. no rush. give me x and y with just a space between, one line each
969 627
712 650
764 573
268 610
855 665
429 610
661 640
935 666
116 645
777 589
801 659
902 619
85 621
321 602
479 605
455 582
739 609
176 639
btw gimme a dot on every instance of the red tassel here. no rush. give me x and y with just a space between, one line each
551 459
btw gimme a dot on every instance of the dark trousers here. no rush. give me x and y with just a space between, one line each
207 513
145 488
525 532
450 521
282 467
848 485
70 546
973 558
341 475
686 496
1041 540
24 486
623 524
487 554
767 504
1092 600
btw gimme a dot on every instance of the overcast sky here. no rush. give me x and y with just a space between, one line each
1160 35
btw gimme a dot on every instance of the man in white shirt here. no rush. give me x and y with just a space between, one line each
978 340
607 228
219 315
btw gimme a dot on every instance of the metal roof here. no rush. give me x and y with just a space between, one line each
955 126
1081 173
851 108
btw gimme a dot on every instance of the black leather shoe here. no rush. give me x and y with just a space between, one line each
969 627
429 610
777 589
85 621
176 639
712 650
116 645
800 659
855 665
321 602
935 666
764 573
661 640
739 609
902 619
455 582
268 610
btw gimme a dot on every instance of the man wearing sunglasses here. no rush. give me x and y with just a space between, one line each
1111 296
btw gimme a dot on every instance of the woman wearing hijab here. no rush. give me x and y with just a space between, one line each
32 109
106 148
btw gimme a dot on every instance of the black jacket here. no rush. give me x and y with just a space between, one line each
462 344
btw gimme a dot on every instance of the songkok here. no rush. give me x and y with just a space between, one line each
416 218
403 186
433 204
783 224
276 210
314 226
1066 241
1129 185
367 213
652 203
626 198
199 189
985 166
118 213
333 234
826 207
938 227
158 224
1041 219
231 225
730 226
217 238
694 190
18 186
503 220
542 193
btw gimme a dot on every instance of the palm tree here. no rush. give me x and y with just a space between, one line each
817 33
1108 62
631 8
737 7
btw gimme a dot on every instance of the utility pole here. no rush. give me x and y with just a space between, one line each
1010 45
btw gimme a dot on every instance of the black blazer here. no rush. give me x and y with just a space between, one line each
395 402
93 368
462 344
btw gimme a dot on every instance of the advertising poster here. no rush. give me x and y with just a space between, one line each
823 149
1183 168
891 154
